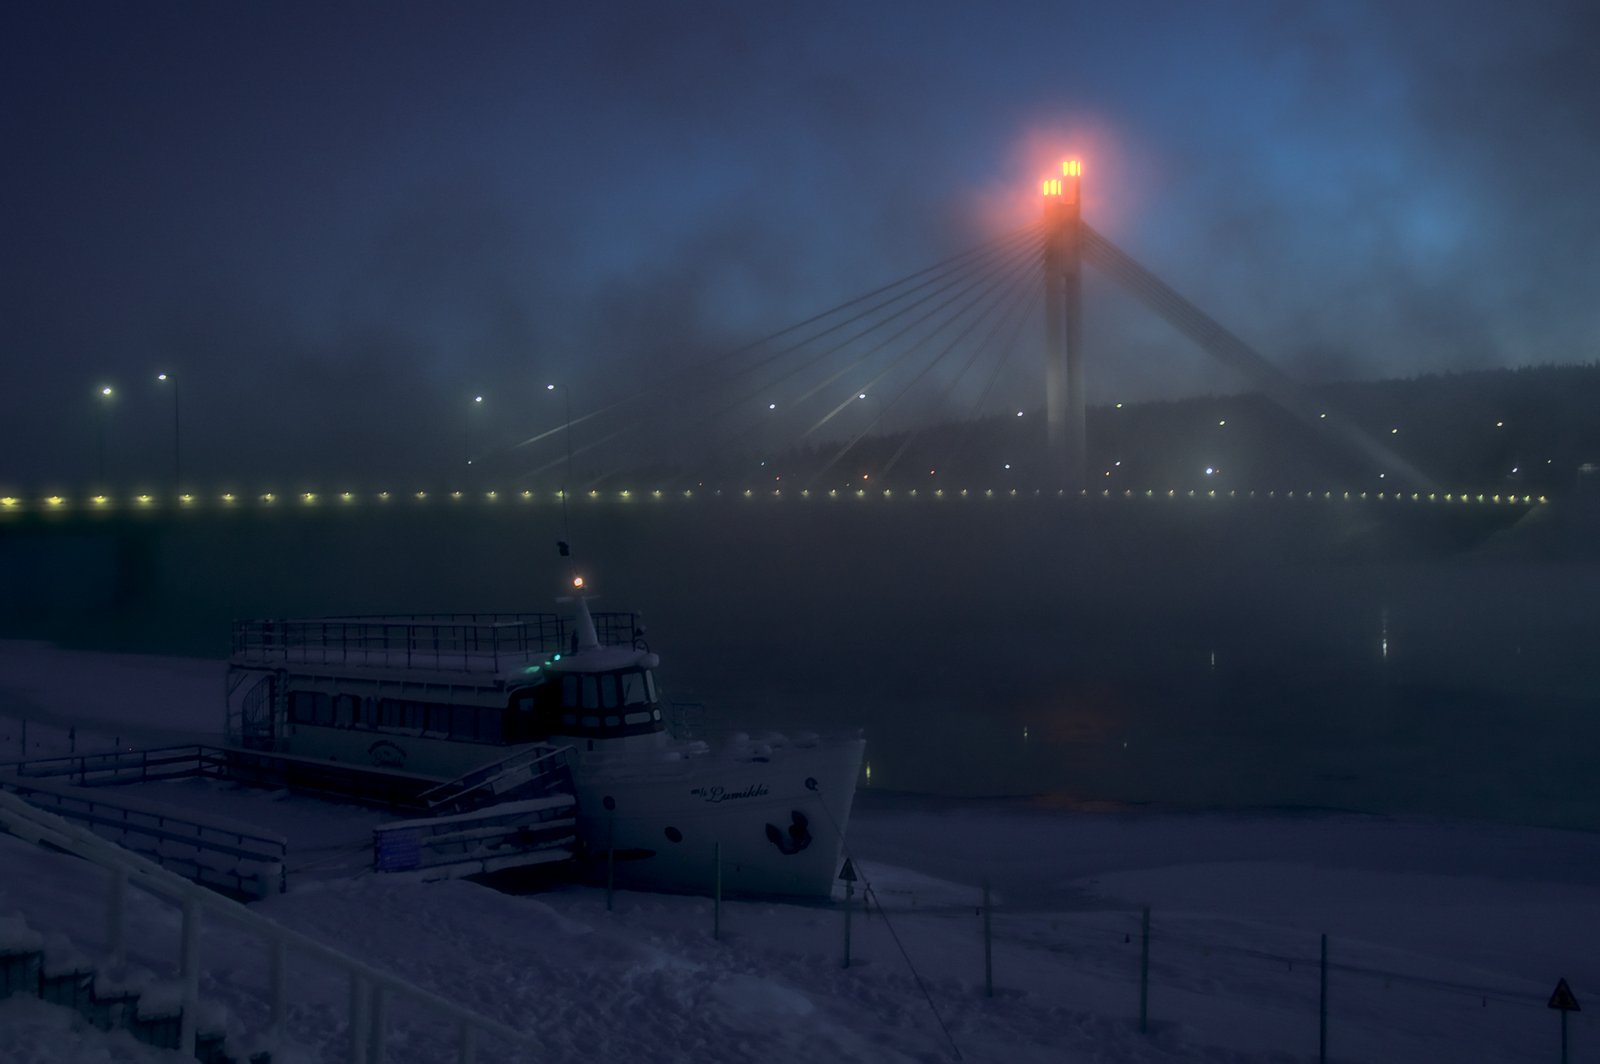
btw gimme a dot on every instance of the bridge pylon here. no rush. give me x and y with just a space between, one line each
1067 439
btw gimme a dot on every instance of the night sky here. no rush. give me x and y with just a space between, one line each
336 224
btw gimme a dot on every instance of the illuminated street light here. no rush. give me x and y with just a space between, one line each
177 430
103 413
476 405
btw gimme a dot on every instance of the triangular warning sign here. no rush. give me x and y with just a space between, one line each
848 874
1562 999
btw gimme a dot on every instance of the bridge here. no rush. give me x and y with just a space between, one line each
834 407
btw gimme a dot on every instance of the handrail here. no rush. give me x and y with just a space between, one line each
486 774
37 826
468 642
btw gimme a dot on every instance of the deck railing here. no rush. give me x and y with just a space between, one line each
455 642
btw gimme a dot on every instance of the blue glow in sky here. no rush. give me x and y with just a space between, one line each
336 221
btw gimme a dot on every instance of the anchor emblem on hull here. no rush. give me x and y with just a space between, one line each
797 838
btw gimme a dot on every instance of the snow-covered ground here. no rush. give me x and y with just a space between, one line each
1445 938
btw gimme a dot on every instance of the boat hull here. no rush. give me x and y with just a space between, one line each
775 820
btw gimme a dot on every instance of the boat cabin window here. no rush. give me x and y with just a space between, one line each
484 724
607 690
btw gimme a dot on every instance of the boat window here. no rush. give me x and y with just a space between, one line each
311 707
491 725
608 691
464 722
345 709
633 688
613 722
438 719
591 722
303 707
569 719
650 686
637 718
569 692
591 692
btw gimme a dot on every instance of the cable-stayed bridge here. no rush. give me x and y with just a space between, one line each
838 405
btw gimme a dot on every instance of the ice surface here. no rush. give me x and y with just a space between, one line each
1445 940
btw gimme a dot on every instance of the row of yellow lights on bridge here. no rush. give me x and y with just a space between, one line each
14 504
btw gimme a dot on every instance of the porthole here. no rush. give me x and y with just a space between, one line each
674 835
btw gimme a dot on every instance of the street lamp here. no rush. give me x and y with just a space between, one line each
177 430
104 412
477 404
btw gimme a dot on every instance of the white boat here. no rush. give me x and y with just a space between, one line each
454 697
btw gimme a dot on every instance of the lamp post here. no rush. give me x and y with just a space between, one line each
107 393
177 431
477 404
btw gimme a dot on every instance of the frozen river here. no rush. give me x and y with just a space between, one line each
1196 656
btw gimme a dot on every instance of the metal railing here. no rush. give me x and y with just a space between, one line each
370 987
456 642
536 771
238 860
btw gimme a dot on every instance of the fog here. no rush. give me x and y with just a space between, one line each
1180 654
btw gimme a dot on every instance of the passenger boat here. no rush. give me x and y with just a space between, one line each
454 697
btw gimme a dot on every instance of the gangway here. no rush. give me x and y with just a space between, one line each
536 771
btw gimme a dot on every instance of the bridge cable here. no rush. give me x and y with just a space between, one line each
1004 270
998 250
1012 283
986 247
1005 261
1020 312
1233 352
994 377
1007 251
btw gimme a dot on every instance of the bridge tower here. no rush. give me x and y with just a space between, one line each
1063 325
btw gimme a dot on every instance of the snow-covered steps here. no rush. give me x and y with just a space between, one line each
150 1011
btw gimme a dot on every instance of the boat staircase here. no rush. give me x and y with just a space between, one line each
170 1013
518 812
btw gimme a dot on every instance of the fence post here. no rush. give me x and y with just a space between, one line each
116 906
189 972
611 855
375 1047
1144 971
1322 1007
988 965
358 1019
716 904
849 893
275 983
